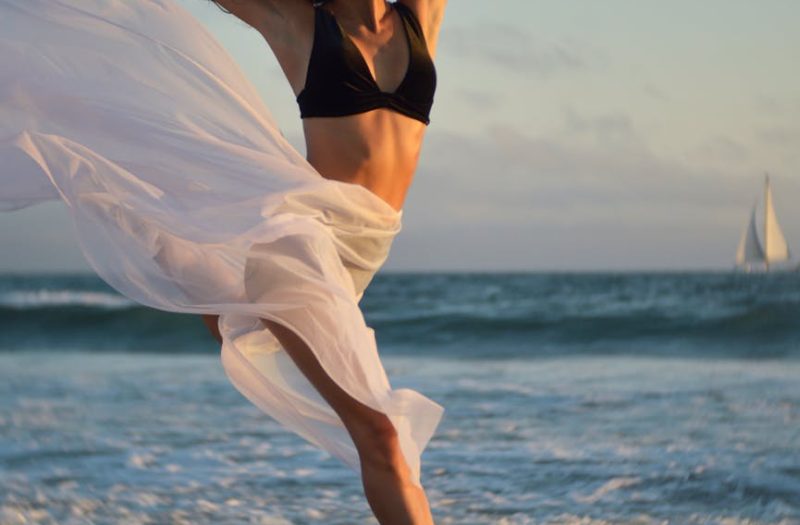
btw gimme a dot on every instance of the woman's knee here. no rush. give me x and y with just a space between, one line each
373 433
377 442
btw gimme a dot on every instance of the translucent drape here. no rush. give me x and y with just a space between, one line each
186 197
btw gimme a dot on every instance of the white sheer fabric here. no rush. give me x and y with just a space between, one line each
186 197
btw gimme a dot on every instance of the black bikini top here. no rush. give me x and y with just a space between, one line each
339 82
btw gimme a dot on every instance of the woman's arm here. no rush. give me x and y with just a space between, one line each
430 14
286 25
257 13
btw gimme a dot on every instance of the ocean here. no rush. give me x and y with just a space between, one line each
630 398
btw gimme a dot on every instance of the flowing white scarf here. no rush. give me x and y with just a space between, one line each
186 197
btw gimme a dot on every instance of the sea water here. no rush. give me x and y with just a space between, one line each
569 398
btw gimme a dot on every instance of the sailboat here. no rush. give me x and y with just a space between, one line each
755 255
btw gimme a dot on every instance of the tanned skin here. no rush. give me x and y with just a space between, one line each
378 149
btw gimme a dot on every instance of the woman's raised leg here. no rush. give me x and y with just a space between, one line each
212 323
391 495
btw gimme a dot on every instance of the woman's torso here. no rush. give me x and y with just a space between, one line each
378 149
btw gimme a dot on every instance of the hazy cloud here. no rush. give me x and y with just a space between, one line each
480 99
655 92
506 175
780 136
606 128
514 49
719 150
775 106
558 202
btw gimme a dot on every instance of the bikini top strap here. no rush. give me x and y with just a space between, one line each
408 16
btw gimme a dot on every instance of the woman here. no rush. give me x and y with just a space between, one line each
351 135
186 197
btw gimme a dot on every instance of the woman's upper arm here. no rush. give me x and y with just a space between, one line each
248 11
262 14
286 25
430 14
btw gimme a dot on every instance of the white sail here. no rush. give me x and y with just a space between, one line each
750 250
775 248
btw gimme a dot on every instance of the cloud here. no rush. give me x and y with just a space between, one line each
594 195
511 48
720 150
775 106
655 92
599 167
780 136
480 99
606 128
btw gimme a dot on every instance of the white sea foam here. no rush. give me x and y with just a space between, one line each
609 486
141 461
47 298
84 445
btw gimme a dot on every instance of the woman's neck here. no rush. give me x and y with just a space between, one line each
368 15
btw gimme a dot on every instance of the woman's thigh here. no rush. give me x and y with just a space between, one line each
359 419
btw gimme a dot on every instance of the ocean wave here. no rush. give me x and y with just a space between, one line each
492 315
34 299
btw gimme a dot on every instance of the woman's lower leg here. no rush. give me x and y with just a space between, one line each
393 498
385 476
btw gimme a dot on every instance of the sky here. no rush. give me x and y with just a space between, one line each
567 136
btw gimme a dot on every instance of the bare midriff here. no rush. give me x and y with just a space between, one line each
378 149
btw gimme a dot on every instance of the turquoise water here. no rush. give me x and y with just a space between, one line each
569 399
